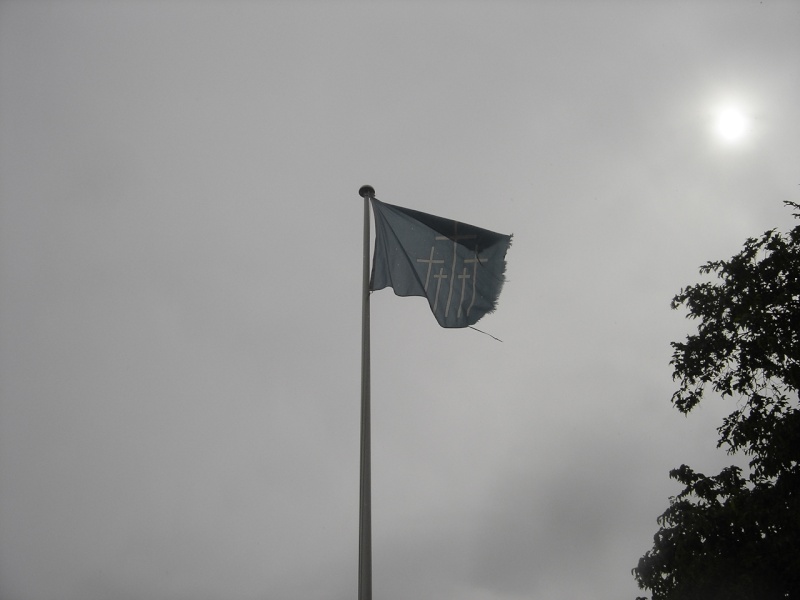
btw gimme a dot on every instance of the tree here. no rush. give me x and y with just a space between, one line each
734 535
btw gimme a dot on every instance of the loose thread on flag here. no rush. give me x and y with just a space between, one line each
484 333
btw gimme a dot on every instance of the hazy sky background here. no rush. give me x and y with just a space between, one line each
180 280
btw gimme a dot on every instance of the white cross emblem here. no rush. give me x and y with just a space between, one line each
455 237
475 262
439 276
430 262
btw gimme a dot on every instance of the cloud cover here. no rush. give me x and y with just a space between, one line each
180 255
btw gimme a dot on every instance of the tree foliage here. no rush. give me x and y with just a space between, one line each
731 535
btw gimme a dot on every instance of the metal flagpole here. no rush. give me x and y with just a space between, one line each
365 503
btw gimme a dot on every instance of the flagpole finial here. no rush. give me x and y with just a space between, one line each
366 191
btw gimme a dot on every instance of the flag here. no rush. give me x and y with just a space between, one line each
459 268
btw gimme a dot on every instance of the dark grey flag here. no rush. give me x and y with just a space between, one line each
459 268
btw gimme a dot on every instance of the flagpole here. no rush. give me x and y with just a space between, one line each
365 503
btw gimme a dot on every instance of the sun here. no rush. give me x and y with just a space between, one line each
731 124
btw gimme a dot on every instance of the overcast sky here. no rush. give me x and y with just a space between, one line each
180 283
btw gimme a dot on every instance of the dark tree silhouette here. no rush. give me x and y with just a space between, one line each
734 535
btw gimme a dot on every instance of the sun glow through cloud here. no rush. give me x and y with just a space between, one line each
731 124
